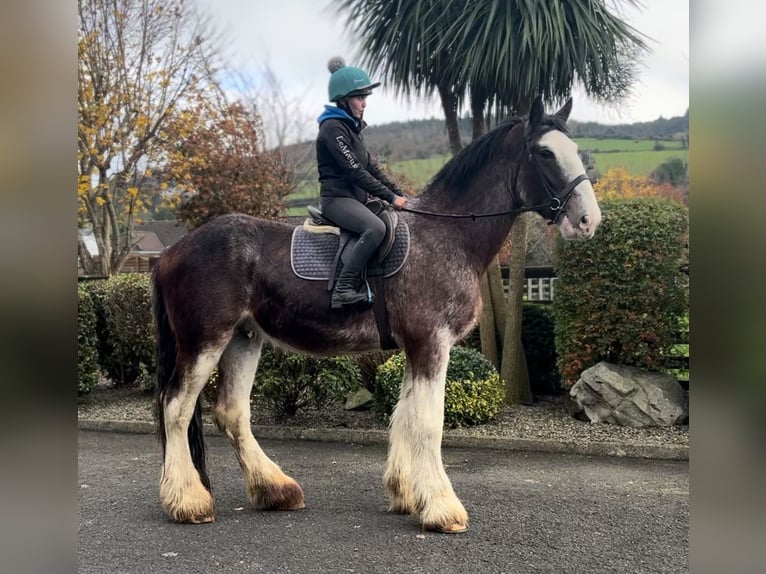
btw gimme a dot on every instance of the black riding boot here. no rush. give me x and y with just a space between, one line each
349 290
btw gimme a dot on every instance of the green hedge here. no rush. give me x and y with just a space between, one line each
87 342
130 330
620 296
474 393
104 343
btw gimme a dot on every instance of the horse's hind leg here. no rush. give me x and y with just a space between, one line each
415 479
267 486
184 486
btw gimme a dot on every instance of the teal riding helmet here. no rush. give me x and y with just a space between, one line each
347 81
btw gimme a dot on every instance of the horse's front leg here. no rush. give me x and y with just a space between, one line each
268 488
415 479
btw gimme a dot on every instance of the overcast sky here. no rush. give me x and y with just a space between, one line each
296 38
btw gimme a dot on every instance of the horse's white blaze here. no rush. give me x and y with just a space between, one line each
583 214
414 461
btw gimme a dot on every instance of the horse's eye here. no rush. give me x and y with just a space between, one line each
547 154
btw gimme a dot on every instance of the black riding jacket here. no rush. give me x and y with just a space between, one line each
345 166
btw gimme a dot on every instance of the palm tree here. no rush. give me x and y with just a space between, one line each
511 52
500 54
403 43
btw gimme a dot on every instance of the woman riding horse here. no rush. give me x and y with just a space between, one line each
347 174
226 289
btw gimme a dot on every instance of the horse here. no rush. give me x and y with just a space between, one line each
226 288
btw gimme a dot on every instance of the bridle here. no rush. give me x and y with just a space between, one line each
557 203
557 206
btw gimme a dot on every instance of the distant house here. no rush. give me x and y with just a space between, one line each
153 238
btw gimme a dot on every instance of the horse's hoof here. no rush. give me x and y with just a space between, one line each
193 506
287 496
448 528
201 519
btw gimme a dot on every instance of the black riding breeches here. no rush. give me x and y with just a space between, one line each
354 216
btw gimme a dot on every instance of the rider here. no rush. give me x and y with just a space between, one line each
347 174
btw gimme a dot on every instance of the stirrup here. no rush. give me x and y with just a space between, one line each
354 297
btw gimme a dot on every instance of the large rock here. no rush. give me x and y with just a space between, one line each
361 400
630 396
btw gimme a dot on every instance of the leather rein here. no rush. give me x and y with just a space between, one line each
556 205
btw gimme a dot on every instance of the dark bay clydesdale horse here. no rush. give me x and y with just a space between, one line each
227 288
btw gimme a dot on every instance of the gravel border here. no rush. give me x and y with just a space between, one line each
545 426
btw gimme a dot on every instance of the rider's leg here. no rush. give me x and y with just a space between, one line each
354 216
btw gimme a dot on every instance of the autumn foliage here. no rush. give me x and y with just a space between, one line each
618 183
221 167
139 62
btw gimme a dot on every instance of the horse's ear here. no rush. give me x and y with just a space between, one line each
565 110
535 114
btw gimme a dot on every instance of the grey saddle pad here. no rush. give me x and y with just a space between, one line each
312 254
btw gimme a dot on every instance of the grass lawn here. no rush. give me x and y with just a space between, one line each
637 162
638 157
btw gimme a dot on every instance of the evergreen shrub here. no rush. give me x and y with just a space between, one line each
620 297
290 381
474 393
104 346
130 329
87 355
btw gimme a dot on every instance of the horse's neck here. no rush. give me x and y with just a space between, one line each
480 239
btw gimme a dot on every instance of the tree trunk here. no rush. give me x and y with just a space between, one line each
487 325
514 367
493 312
449 104
499 306
478 103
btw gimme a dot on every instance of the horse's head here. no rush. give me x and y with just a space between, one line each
553 176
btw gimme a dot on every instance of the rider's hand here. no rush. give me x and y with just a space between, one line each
400 201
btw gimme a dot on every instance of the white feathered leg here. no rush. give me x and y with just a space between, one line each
268 488
415 479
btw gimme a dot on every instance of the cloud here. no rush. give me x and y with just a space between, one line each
296 38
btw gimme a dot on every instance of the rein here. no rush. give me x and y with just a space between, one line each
472 216
556 205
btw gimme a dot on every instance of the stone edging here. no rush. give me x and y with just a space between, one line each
374 436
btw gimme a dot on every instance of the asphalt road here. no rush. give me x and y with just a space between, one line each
528 512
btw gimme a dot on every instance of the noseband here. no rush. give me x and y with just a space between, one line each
558 203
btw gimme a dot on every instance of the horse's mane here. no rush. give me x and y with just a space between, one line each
462 167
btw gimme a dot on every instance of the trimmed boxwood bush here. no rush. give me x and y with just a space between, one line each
537 336
128 322
104 346
474 393
290 381
621 296
87 340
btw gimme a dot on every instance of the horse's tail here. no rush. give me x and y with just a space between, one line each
167 383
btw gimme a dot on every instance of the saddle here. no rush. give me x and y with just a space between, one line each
317 253
319 247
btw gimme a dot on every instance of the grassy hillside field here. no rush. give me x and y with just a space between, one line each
638 157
